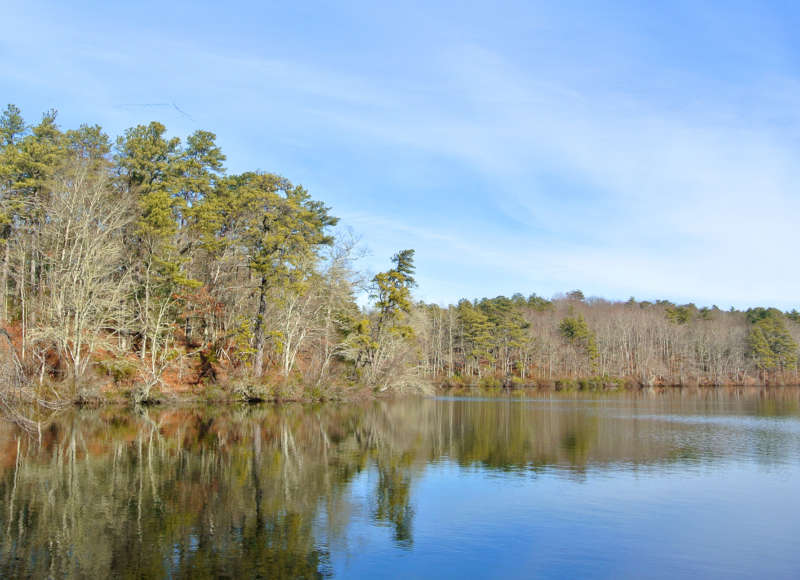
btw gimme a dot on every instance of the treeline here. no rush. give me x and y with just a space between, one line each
140 262
517 340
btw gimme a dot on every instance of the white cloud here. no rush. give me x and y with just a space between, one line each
615 189
695 204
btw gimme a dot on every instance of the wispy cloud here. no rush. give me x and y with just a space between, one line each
621 162
665 202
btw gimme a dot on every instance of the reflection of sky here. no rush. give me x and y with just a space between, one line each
623 486
717 500
624 148
728 520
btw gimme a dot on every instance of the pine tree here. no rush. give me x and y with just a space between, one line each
12 126
392 289
476 332
771 346
149 169
281 229
577 332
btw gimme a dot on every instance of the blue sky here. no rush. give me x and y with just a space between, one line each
623 148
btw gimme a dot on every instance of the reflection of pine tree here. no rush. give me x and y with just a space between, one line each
394 501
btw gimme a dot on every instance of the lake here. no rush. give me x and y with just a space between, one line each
691 483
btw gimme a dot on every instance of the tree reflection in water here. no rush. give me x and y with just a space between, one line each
266 491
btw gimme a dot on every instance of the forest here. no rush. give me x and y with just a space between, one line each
139 265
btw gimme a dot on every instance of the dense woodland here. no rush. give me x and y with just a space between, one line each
139 263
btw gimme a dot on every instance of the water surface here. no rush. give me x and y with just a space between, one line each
702 483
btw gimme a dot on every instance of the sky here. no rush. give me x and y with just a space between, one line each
621 148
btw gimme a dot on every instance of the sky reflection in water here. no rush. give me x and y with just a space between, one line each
649 485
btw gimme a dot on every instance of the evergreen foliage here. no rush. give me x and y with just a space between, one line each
576 332
142 252
771 345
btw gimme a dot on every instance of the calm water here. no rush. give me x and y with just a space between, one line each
693 484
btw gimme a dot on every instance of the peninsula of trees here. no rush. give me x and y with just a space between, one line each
138 263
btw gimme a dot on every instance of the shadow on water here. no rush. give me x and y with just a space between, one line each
266 491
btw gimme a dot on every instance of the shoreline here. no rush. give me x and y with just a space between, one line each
29 407
360 393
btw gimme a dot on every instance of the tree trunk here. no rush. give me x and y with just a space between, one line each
258 330
4 283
